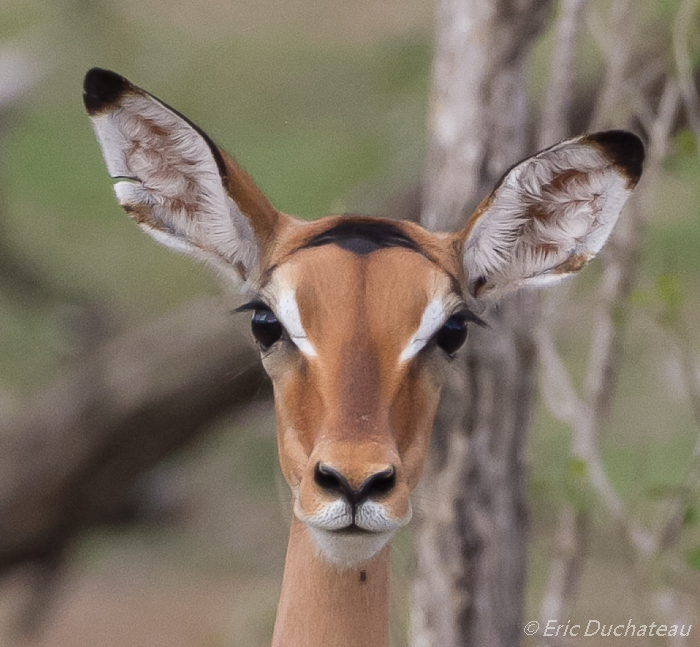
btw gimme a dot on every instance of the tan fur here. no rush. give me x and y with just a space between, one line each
322 606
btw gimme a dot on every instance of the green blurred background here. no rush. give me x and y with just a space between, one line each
325 105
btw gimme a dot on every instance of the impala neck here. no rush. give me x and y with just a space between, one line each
322 605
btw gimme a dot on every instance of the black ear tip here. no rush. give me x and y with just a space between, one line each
624 149
102 88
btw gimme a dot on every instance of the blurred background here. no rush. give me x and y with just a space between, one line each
180 539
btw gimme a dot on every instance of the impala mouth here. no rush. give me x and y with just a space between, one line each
352 529
350 545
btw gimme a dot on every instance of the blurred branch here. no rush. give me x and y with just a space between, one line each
560 396
616 46
559 92
670 605
566 566
691 371
637 93
681 30
20 71
670 531
73 458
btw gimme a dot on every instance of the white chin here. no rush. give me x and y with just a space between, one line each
349 550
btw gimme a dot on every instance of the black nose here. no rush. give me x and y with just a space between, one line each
375 486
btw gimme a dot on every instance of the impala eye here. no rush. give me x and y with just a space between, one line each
453 334
266 327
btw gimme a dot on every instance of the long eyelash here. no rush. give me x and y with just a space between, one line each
470 316
256 304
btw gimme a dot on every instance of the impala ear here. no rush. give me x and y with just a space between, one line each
177 185
551 213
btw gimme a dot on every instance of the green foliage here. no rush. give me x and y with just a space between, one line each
576 468
576 487
692 558
665 301
666 8
403 66
691 517
670 295
661 491
684 145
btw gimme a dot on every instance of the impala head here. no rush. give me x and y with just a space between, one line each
357 318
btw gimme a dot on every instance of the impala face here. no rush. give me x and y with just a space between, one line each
356 341
357 318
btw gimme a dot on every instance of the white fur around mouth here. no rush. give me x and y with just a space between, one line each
347 549
345 541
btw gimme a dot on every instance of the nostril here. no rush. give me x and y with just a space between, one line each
329 479
378 484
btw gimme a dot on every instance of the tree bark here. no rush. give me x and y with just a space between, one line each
471 539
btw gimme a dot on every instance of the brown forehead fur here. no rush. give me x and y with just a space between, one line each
359 312
444 250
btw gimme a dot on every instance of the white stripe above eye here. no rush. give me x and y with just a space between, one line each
288 312
431 321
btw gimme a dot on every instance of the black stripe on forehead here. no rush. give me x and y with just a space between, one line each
363 237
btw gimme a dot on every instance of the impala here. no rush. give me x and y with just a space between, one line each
357 319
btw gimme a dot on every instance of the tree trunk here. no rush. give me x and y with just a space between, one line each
471 539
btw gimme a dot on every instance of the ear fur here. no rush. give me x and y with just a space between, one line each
551 213
174 181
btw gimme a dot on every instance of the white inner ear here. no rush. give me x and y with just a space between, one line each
171 184
557 206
